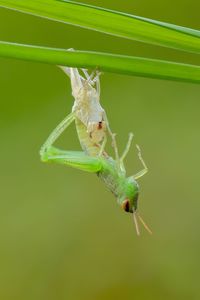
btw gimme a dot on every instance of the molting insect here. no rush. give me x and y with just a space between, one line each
92 128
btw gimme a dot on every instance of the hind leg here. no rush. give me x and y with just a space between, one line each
54 136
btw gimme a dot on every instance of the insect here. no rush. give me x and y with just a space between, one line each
93 158
87 108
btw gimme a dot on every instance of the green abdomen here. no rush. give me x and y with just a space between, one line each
110 176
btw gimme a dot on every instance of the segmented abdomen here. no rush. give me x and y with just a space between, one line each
88 146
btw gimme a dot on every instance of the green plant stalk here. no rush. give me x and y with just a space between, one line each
121 64
111 22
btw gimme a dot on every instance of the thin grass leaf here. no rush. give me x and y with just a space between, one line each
111 22
122 64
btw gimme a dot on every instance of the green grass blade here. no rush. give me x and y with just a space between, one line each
111 22
103 61
182 29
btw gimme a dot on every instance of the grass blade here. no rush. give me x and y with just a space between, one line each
122 64
111 22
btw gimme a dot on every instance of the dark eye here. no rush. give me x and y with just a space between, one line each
125 205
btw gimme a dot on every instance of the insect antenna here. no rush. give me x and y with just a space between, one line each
136 223
144 224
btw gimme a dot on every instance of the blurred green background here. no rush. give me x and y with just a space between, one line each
62 234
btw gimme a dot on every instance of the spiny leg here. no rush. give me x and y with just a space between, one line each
145 170
54 135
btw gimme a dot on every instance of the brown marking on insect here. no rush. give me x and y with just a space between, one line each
100 125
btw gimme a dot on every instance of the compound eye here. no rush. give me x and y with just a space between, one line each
125 205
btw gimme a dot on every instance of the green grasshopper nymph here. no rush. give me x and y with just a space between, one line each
94 159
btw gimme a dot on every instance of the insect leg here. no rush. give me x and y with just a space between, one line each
103 146
126 150
93 78
113 137
127 147
55 134
76 79
96 81
76 159
145 170
87 76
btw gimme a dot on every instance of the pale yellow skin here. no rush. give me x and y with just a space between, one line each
87 107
